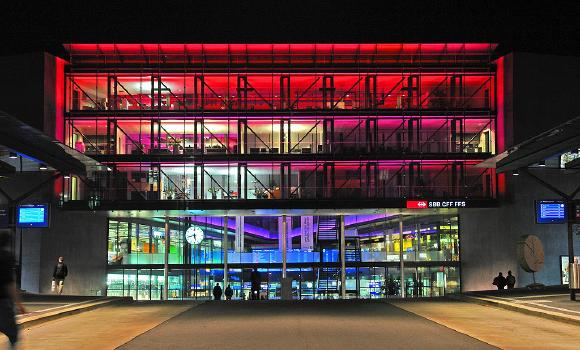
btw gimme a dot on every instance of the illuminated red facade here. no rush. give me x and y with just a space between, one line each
352 125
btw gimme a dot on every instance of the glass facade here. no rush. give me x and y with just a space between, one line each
248 132
251 122
430 249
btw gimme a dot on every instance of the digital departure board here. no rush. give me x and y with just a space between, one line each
32 215
551 212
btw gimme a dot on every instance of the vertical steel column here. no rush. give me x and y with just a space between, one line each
225 251
282 150
342 258
401 260
284 244
283 181
166 261
571 213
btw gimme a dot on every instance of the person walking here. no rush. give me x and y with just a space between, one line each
229 292
510 280
256 279
58 275
217 292
9 294
499 281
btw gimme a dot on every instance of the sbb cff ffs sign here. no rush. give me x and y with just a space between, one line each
424 204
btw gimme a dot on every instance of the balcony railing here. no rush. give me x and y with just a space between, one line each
284 181
274 92
364 135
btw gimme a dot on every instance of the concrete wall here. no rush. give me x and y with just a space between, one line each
489 236
539 93
17 185
80 237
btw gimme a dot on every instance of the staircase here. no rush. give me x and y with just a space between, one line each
352 250
327 228
328 281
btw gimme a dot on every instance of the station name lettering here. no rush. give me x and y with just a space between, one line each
449 204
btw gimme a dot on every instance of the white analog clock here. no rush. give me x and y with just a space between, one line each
194 235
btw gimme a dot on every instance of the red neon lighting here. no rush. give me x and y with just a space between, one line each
292 49
417 204
59 99
501 144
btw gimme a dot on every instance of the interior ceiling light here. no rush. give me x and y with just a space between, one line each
542 163
42 167
67 176
515 173
13 155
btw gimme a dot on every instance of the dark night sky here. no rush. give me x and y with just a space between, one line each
536 26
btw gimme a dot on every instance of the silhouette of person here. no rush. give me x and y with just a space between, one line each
256 284
510 280
229 292
499 281
217 292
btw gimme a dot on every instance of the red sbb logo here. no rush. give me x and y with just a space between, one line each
417 204
422 204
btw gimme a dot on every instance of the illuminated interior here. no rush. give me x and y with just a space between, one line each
135 257
273 126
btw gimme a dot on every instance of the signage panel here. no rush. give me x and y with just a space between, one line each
32 215
551 212
307 233
425 204
4 218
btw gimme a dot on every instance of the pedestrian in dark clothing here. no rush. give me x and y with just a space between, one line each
229 292
217 292
9 295
510 280
499 281
58 275
256 284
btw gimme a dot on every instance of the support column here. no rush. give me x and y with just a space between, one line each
166 261
284 244
342 258
570 206
225 251
401 260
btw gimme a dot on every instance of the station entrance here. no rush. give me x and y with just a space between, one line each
305 254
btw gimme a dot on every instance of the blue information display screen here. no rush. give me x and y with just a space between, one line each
34 215
551 212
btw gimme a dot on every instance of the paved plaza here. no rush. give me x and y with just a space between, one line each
350 324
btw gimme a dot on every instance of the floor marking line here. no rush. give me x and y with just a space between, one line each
554 307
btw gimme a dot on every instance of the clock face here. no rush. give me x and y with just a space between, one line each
194 235
530 253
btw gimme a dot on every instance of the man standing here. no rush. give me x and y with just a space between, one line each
9 295
229 292
58 275
217 292
510 280
499 281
